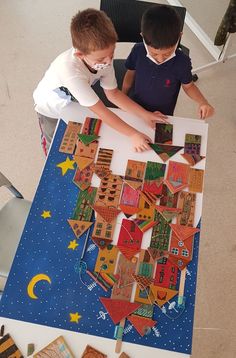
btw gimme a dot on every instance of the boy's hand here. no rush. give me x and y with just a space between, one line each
140 142
205 110
153 117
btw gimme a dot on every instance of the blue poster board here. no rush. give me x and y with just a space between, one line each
43 249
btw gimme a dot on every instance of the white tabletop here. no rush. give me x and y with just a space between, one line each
24 332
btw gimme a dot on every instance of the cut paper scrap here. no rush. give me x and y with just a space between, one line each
58 348
177 176
107 213
154 176
187 204
8 348
103 232
183 232
118 309
106 260
66 165
130 238
104 280
83 210
143 325
166 274
91 126
162 294
83 178
122 289
69 139
109 191
164 133
91 352
165 151
180 250
134 173
195 182
82 162
87 139
192 148
79 227
102 167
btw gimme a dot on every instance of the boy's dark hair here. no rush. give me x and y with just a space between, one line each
161 26
92 30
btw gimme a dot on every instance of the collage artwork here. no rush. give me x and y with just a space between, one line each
81 263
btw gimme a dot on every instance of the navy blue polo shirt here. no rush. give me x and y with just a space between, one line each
156 87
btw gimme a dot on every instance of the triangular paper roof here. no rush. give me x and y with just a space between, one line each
181 263
141 324
119 309
192 159
82 162
143 281
183 232
149 197
87 138
129 210
127 251
144 225
162 294
101 243
173 186
165 151
133 184
79 227
107 213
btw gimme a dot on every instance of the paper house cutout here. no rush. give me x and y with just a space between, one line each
142 324
79 227
118 309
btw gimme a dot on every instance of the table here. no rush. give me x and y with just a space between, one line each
15 309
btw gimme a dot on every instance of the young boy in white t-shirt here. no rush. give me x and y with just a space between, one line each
71 75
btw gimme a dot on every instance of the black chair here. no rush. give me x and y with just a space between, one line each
126 16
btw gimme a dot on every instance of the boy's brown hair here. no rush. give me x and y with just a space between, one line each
92 30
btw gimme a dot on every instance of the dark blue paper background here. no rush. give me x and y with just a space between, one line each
44 249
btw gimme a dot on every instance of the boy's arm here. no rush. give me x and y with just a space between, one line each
139 140
128 81
205 110
122 101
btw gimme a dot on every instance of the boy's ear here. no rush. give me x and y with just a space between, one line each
78 54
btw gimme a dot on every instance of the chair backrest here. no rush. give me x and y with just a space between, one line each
6 182
126 16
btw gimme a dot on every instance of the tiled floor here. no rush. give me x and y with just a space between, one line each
32 34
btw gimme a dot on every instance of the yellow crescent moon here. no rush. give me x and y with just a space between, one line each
33 281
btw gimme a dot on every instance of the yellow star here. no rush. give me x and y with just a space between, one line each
74 317
46 214
67 164
73 244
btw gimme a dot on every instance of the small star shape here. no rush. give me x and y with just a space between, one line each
74 317
66 165
73 244
46 214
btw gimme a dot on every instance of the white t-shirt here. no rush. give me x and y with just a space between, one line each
69 71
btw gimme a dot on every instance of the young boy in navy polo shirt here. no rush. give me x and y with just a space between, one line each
157 68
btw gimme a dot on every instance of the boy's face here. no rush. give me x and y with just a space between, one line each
98 57
161 55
